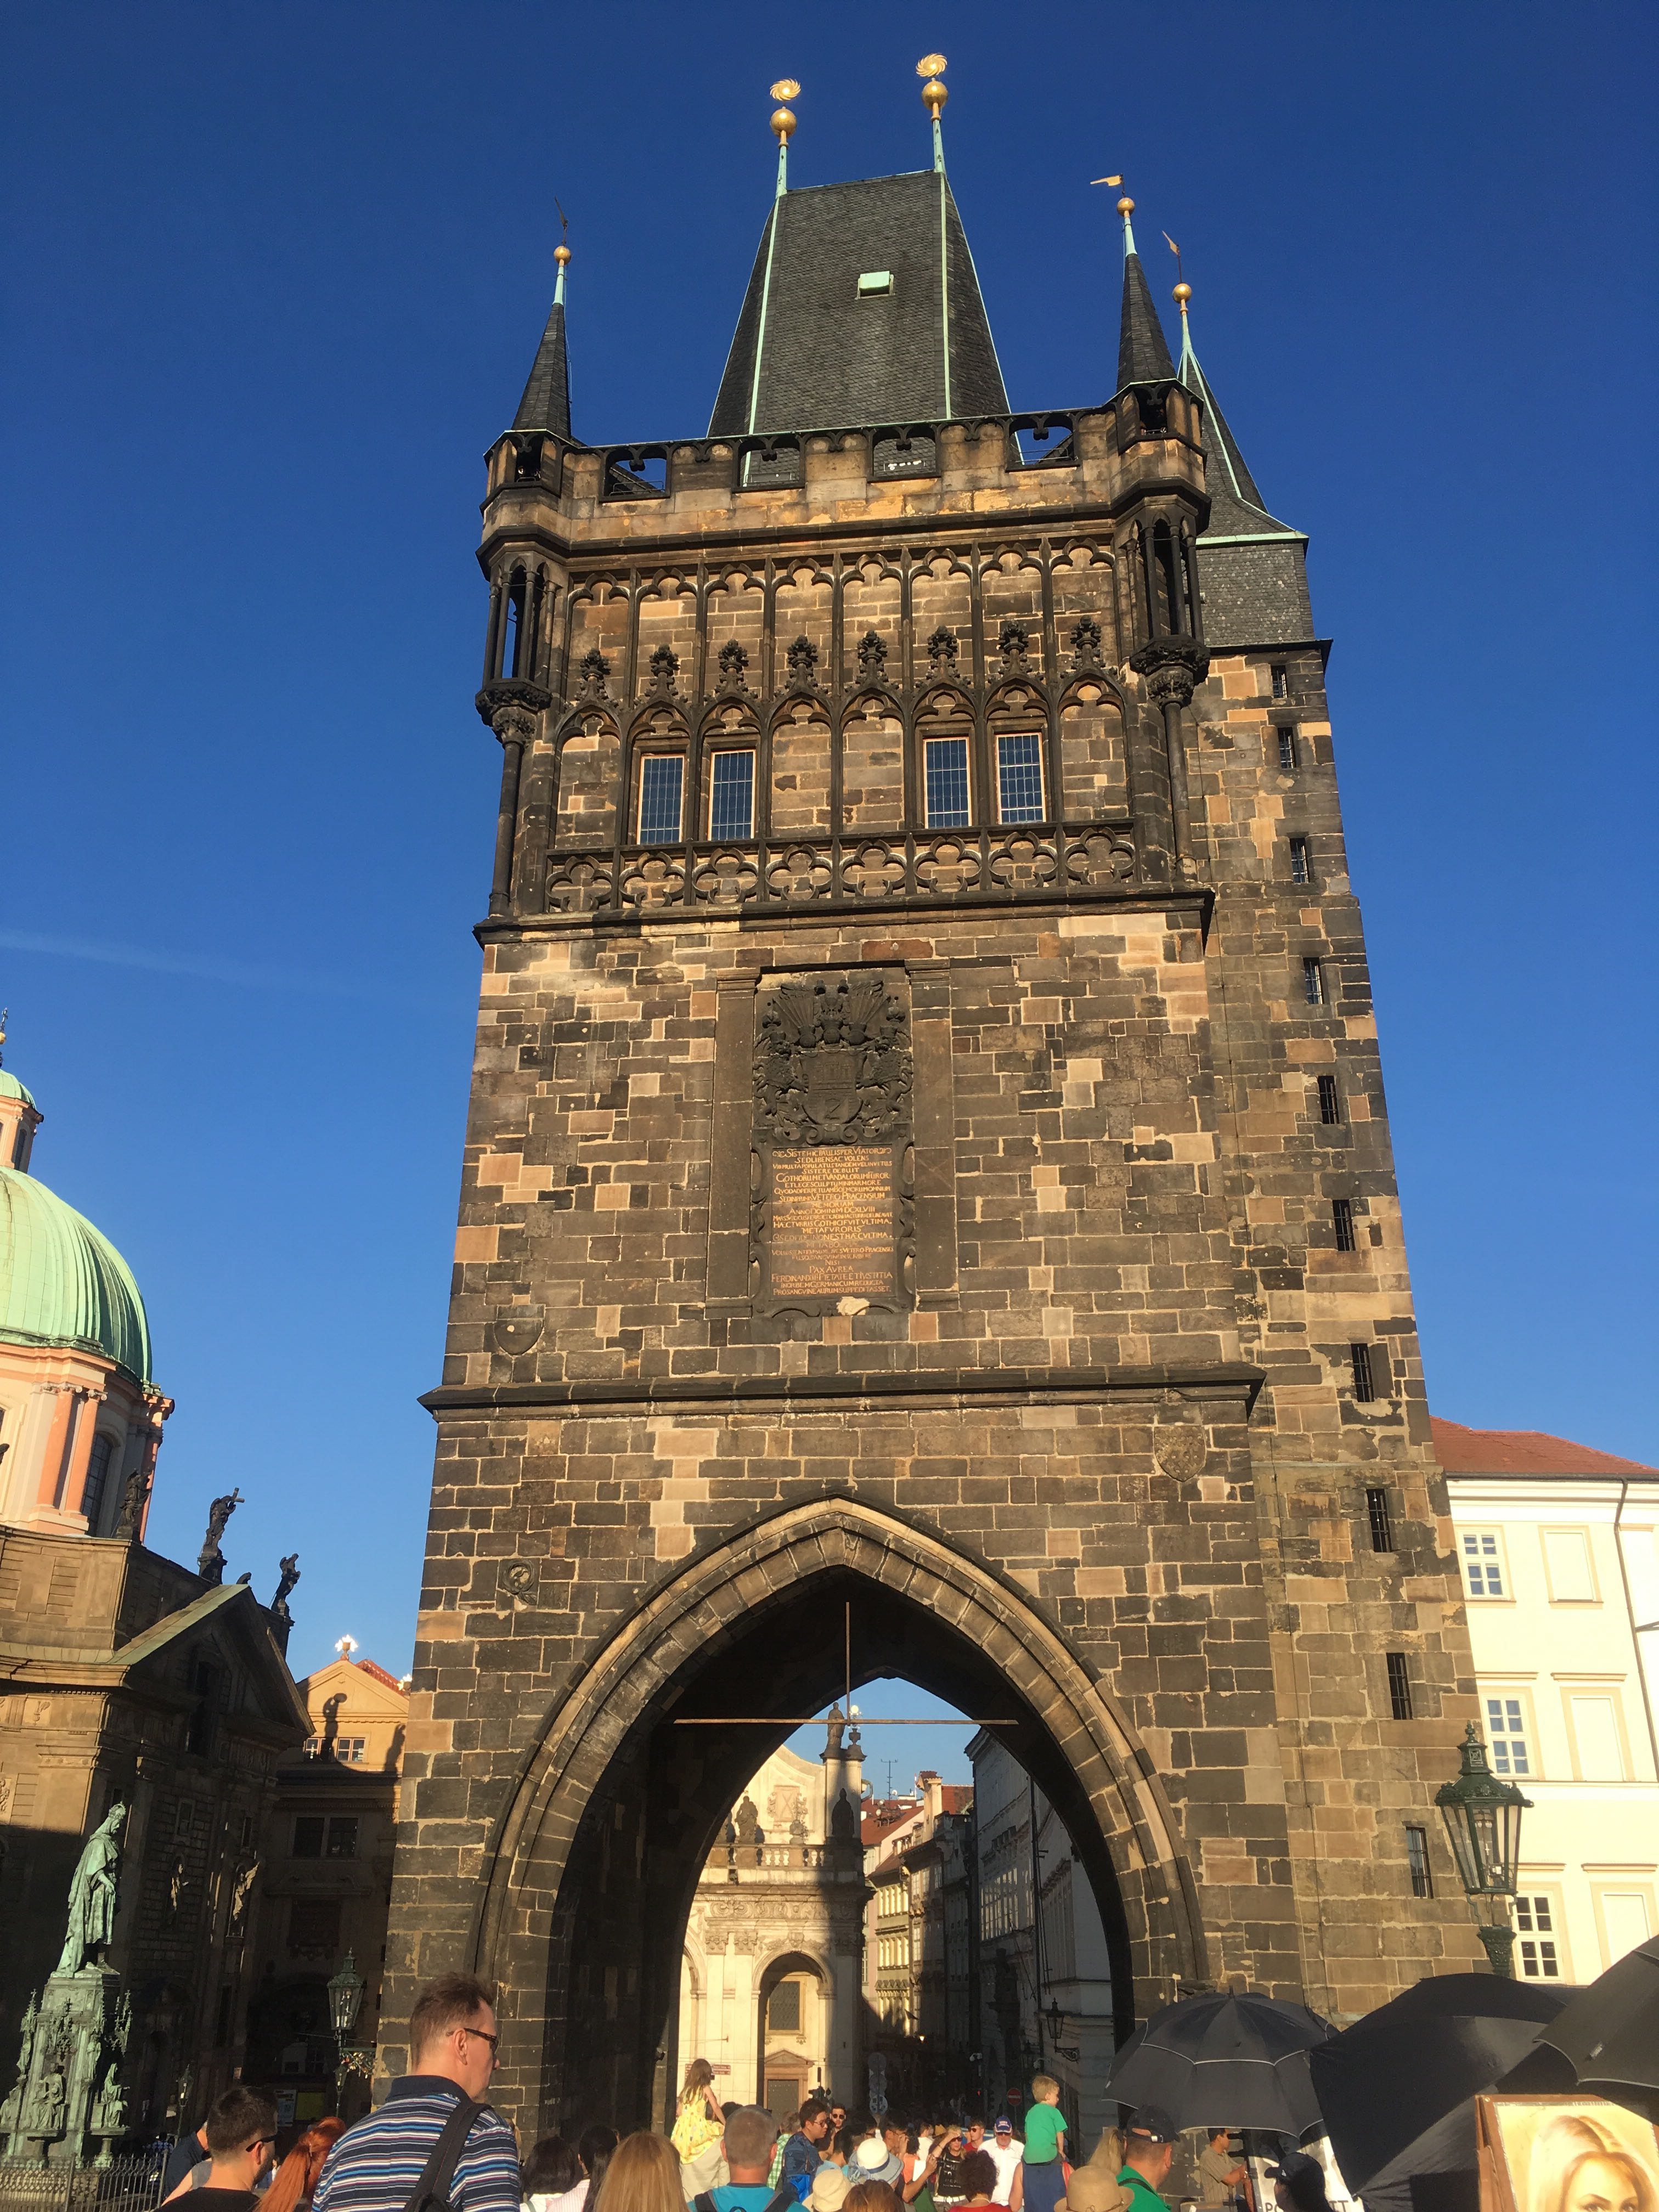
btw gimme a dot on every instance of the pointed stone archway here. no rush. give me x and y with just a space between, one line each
587 1880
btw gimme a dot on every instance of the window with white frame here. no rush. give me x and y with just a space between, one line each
1506 1734
662 780
732 795
1485 1573
1019 778
1536 1957
945 767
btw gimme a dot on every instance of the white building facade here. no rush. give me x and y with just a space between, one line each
770 1979
1557 1545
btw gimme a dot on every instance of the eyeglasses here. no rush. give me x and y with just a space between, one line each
484 2035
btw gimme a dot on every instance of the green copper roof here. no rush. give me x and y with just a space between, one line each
62 1283
11 1087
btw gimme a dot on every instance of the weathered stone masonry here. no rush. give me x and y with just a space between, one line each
1100 1466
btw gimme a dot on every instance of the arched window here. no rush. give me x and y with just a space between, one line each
514 630
92 1496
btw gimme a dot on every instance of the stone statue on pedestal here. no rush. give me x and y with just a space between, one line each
91 1898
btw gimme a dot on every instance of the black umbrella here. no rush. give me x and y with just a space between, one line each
1223 2062
1395 2088
1609 2033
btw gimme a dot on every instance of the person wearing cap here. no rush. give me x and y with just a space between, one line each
1006 2152
1299 2184
1147 2154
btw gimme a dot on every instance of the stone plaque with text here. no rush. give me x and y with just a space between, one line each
832 1224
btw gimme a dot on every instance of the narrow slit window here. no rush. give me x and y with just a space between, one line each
1301 871
1342 1222
1313 981
1019 778
1288 750
1506 1736
1364 1382
1280 683
1330 1106
1379 1514
1399 1686
946 770
1417 1859
732 795
662 777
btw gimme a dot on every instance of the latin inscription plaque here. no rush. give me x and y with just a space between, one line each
832 1229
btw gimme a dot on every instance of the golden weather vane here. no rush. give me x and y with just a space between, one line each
1175 250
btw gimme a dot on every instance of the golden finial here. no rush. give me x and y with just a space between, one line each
783 121
1126 205
1182 293
933 94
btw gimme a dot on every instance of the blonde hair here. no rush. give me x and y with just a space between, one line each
698 2076
1564 2145
1044 2085
643 2176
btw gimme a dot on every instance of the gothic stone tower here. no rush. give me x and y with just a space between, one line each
927 1173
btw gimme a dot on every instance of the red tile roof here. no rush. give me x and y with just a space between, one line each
1520 1451
371 1667
959 1796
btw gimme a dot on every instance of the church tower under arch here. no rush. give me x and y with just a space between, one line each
927 1167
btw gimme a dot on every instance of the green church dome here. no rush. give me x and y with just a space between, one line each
11 1087
60 1282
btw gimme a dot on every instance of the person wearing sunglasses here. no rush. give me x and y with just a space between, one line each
242 2135
379 2163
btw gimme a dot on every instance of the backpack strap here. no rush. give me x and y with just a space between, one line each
704 2202
438 2174
786 2201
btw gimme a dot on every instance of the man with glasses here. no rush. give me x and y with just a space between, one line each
377 2166
242 2134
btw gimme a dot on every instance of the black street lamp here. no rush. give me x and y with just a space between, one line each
345 1997
1483 1825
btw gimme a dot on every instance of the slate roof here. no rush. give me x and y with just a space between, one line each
1520 1451
1143 351
1237 508
546 401
828 358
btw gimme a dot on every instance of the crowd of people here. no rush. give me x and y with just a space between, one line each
435 2144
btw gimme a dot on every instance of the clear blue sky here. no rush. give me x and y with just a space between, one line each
273 280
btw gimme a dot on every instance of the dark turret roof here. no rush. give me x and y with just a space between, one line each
546 401
1142 352
829 357
1236 509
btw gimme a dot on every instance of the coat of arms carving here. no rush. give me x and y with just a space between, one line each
832 1065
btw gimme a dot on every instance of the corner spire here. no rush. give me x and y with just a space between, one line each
1227 477
933 97
783 122
546 401
1143 351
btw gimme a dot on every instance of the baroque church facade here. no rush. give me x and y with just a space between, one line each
143 1707
927 1205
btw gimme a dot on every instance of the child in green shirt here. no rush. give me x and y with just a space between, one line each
1045 2146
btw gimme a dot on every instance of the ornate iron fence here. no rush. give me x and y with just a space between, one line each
125 2184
